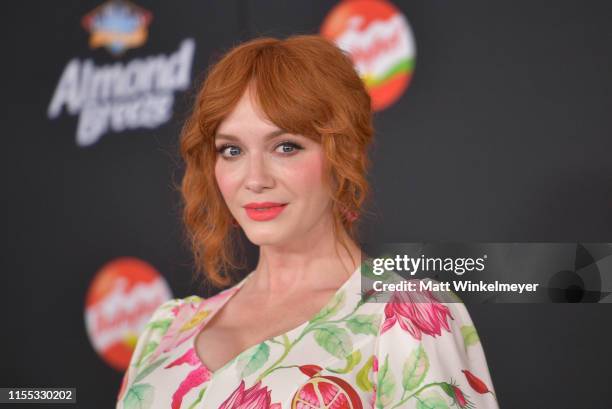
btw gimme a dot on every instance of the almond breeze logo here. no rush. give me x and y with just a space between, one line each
123 95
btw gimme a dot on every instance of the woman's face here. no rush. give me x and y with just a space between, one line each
272 181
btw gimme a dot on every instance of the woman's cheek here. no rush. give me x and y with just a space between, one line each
225 179
308 173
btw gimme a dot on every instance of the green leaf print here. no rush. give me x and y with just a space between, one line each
363 376
431 400
149 347
199 398
162 325
334 340
332 307
351 361
364 324
470 336
448 389
385 385
193 299
415 368
148 369
139 397
252 359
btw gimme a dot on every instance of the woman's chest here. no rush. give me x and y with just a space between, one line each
327 359
228 333
318 367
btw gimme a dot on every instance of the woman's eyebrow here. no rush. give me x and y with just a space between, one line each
270 135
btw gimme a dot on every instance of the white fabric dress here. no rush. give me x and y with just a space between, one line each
354 353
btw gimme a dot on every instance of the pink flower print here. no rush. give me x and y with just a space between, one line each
256 397
193 379
184 314
459 398
416 312
187 319
373 397
457 395
190 357
374 376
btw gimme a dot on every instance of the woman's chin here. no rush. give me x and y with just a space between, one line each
262 236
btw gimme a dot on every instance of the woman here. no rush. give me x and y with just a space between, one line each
276 146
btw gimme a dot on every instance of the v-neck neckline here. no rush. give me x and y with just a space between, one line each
234 290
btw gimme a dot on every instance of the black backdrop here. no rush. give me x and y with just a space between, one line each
503 135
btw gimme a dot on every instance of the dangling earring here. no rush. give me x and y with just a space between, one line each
235 222
351 216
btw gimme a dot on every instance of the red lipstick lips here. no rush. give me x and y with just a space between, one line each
264 211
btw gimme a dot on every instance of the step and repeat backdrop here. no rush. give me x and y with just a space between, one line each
492 124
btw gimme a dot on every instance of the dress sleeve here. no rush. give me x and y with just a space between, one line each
428 355
148 341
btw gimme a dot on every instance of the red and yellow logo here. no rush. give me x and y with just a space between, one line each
378 38
120 301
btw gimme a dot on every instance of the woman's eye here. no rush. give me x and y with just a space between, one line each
229 151
288 147
232 151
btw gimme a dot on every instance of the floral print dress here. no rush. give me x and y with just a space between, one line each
352 354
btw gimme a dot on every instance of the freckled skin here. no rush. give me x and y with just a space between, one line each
259 170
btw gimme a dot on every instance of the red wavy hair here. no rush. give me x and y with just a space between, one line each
305 85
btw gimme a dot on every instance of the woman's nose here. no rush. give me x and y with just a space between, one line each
258 176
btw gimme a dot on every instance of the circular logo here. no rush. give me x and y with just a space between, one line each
378 38
120 301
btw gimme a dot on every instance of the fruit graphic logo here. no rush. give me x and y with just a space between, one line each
120 301
378 38
324 392
117 25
